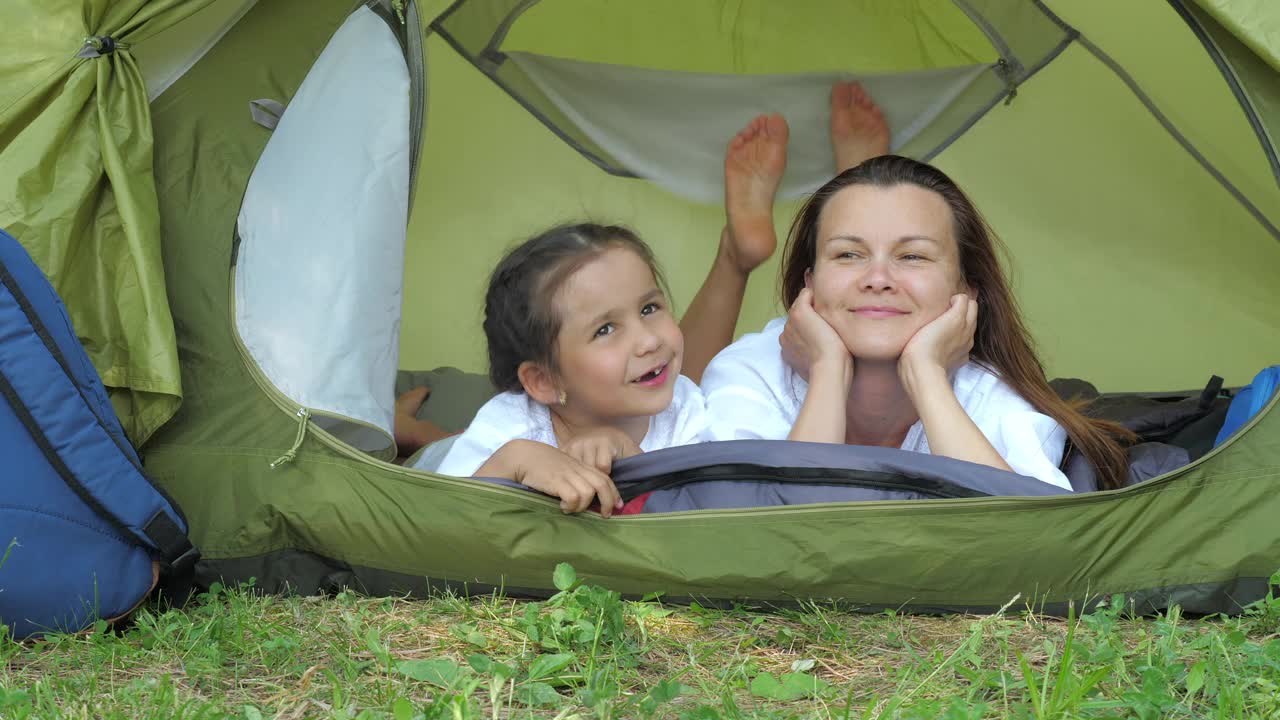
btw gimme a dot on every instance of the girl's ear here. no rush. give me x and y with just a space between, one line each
538 382
808 278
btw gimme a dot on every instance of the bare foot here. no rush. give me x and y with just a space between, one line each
858 128
753 167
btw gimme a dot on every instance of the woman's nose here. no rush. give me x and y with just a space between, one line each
877 276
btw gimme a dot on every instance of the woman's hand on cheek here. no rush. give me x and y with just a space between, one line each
943 344
808 339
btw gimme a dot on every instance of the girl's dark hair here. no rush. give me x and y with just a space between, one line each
1001 341
520 322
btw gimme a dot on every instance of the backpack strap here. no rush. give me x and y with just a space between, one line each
159 533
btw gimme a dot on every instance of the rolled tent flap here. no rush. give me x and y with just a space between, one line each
78 190
671 127
320 265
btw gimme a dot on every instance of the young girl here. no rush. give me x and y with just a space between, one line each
587 355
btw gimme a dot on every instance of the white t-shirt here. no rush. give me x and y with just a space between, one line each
515 416
752 393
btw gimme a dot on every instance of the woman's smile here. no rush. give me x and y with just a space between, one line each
879 311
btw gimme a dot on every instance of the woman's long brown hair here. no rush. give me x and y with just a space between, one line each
1001 341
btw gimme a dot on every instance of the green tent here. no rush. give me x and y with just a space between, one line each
247 294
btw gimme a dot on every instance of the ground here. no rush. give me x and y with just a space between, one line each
586 653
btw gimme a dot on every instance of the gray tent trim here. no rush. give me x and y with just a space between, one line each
492 51
1007 96
415 52
993 36
408 33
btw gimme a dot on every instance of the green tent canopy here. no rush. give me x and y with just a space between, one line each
249 293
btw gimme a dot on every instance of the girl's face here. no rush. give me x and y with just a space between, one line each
619 348
886 265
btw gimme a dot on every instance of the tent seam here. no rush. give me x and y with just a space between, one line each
70 61
1005 93
1054 17
1177 135
504 27
595 159
993 36
1228 72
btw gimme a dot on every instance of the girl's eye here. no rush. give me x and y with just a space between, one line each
846 255
605 329
650 308
912 257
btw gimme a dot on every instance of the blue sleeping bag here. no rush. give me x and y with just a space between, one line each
1249 402
83 533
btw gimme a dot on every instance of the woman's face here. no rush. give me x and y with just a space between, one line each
886 265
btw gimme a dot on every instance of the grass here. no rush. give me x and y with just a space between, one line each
586 653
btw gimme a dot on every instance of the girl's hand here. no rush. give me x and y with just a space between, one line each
808 340
600 447
943 344
551 471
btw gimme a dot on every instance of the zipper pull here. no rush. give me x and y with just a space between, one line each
1006 73
303 416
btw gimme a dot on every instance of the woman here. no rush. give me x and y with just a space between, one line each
902 332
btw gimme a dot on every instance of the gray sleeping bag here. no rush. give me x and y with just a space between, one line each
757 473
762 473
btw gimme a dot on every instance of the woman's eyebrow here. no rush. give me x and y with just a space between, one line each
903 239
845 238
913 238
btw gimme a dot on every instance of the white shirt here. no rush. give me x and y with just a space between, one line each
752 393
515 416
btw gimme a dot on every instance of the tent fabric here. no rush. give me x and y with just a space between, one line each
1155 47
1110 219
670 127
1021 38
165 57
765 473
317 277
1251 23
1074 173
1147 538
1255 82
78 189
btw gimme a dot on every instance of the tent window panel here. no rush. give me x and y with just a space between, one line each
671 127
643 95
